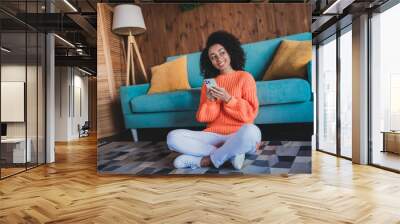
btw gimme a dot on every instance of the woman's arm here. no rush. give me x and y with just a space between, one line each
208 110
244 109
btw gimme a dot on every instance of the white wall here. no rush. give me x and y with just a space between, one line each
69 82
12 101
80 83
61 103
34 125
12 73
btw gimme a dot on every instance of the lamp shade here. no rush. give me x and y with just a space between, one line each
128 19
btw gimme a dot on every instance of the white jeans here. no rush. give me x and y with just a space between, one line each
219 147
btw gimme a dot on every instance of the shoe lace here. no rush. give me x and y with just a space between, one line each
190 163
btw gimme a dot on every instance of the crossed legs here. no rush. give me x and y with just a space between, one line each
214 148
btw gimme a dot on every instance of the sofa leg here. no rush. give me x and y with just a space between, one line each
134 135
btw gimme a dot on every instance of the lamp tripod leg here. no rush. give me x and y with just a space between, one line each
140 58
128 62
133 68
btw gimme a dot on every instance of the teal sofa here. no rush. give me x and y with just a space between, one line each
281 101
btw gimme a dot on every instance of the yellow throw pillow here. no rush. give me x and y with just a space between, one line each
170 76
290 60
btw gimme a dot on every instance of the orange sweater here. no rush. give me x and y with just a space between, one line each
226 118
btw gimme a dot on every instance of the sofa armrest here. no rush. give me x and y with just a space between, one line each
309 76
309 72
129 92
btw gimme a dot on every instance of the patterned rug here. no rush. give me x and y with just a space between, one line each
154 158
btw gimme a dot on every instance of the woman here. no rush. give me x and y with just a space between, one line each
228 109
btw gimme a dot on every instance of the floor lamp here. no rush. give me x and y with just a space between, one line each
128 20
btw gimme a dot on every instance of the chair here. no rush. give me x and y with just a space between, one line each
84 130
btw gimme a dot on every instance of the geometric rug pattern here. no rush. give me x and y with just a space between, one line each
154 158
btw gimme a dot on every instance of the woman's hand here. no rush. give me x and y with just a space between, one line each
220 93
210 95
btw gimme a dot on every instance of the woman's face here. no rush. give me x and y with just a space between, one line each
219 57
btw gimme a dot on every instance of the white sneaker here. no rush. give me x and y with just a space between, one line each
237 161
187 161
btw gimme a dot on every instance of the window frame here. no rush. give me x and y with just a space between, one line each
342 26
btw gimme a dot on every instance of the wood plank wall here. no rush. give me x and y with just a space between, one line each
110 74
171 31
92 100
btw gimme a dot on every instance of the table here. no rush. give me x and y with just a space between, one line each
391 141
16 147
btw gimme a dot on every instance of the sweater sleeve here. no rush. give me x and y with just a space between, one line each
208 110
244 109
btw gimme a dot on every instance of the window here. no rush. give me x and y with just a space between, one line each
346 92
394 119
385 85
327 95
22 73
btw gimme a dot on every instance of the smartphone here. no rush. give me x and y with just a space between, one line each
210 83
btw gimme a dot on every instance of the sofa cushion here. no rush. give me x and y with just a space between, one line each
270 114
290 60
193 68
187 100
170 76
260 54
268 92
283 91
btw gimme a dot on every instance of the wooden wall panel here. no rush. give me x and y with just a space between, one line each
171 31
92 90
110 74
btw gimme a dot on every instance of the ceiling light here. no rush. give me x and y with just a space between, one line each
65 41
70 5
5 50
337 7
84 71
80 51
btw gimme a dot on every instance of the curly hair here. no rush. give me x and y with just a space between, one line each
232 46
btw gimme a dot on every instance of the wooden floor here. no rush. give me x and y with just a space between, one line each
10 171
70 191
387 159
